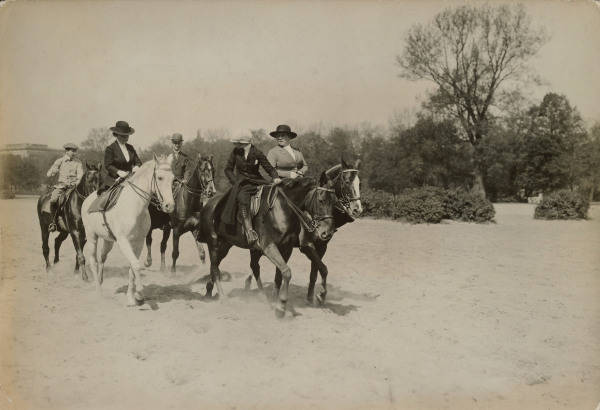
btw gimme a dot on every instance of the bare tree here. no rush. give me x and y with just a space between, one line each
469 53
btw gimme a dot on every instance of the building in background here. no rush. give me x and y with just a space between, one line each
27 150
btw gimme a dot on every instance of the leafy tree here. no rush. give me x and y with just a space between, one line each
469 53
552 143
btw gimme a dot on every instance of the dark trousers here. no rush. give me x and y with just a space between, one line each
240 194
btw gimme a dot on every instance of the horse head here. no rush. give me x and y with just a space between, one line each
162 181
92 179
318 202
347 186
205 172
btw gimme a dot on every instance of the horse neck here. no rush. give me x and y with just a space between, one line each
298 193
194 180
142 182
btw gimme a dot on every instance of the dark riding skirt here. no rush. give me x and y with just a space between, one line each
241 192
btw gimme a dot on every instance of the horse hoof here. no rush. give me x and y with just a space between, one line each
173 269
247 284
148 263
279 312
139 299
321 298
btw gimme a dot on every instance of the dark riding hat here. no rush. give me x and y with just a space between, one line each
283 130
177 137
70 145
122 128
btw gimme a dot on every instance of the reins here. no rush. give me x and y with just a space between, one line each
156 202
309 222
203 191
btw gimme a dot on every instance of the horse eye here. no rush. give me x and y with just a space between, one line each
160 178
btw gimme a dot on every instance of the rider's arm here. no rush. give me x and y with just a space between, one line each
302 171
54 168
136 160
109 159
266 165
79 172
229 168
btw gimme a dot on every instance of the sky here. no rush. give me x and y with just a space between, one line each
180 66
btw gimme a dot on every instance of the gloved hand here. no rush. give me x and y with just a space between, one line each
277 181
294 174
134 169
122 174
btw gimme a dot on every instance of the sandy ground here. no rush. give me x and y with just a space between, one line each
455 315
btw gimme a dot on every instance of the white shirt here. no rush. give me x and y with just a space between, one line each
289 149
246 151
124 151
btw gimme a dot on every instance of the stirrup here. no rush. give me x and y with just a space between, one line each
251 236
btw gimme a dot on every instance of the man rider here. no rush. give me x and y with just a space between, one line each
70 172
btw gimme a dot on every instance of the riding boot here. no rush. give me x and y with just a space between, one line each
251 235
52 226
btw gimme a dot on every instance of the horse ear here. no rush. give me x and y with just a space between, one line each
155 157
344 163
357 164
99 166
323 179
87 166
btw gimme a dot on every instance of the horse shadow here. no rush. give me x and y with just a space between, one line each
297 299
154 294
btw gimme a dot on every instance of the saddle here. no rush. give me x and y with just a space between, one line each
106 200
62 199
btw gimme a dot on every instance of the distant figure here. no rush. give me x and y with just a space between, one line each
245 159
120 158
288 162
179 158
70 171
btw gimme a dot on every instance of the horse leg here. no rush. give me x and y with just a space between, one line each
132 255
316 265
57 242
90 252
77 238
175 253
255 256
272 252
163 247
201 253
149 248
45 247
321 249
104 250
217 254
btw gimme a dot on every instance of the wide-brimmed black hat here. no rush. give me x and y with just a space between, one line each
122 128
283 129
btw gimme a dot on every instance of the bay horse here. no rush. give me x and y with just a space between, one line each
283 210
128 221
343 178
197 185
69 218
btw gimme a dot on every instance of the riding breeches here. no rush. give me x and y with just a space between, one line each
57 192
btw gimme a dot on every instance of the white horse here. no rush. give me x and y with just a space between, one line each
128 222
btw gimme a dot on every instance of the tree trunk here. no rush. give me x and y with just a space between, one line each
478 186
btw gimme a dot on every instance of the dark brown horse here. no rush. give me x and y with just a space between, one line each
69 217
292 205
190 194
344 180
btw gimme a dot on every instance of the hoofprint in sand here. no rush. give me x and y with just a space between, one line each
455 315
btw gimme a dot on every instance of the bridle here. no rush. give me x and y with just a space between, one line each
345 193
86 194
309 222
204 190
156 201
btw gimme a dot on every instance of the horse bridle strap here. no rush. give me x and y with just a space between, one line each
309 223
157 203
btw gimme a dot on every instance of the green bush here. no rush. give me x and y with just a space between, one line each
428 205
563 204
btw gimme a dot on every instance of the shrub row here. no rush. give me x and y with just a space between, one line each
428 205
563 204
